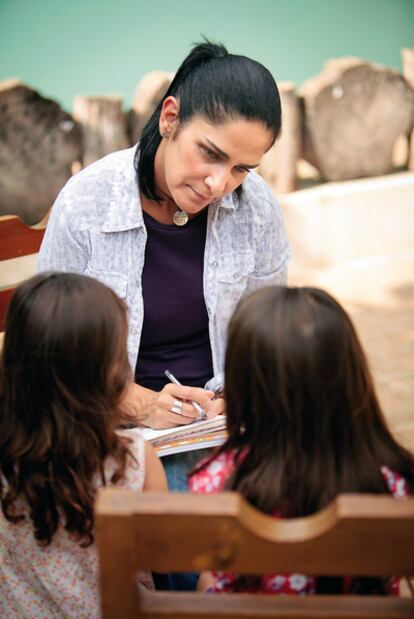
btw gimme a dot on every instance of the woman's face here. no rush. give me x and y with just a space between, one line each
200 162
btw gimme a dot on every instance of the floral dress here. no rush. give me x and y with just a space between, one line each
213 478
58 581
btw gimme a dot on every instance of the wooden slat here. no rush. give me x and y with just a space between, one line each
346 537
361 535
159 605
116 571
17 239
5 296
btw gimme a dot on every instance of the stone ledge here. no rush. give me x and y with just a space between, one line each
340 222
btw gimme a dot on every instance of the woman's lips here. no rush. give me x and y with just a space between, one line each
200 197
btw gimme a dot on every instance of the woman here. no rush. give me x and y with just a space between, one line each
180 227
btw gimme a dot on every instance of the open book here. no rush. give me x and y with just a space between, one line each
197 435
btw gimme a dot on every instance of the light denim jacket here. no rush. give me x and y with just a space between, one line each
96 228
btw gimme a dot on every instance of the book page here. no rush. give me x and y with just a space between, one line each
198 428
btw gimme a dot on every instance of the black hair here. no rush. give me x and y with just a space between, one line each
217 85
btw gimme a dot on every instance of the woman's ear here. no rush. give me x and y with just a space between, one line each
169 117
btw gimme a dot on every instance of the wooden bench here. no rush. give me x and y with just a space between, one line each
355 535
16 240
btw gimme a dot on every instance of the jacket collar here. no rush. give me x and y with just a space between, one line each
230 202
125 193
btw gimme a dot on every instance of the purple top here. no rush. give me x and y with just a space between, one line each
175 331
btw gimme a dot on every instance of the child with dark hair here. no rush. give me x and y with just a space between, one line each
64 370
304 424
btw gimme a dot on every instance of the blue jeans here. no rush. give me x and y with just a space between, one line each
176 468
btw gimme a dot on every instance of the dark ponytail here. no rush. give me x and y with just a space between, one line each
217 85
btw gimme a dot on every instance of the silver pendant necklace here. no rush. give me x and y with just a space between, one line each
180 218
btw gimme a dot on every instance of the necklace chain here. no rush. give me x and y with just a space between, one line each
180 217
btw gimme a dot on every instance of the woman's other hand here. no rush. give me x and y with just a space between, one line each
216 407
154 409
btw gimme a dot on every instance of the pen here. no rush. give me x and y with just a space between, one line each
196 405
218 393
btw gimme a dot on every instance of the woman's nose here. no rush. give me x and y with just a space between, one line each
216 182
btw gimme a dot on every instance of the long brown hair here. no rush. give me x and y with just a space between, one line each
301 399
64 368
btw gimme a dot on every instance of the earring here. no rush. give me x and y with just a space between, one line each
164 135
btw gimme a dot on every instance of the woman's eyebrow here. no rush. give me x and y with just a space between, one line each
226 156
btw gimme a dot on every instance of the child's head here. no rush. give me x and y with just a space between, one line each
301 397
64 369
65 344
293 355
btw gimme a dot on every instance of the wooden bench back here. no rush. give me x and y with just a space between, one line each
16 240
356 535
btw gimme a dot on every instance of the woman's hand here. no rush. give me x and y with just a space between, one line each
153 409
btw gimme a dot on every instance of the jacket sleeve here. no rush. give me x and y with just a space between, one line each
272 248
65 247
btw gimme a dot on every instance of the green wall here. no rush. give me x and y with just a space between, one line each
69 47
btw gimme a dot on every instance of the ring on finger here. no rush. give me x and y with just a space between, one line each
177 407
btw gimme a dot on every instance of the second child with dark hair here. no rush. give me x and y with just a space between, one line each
64 370
304 424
